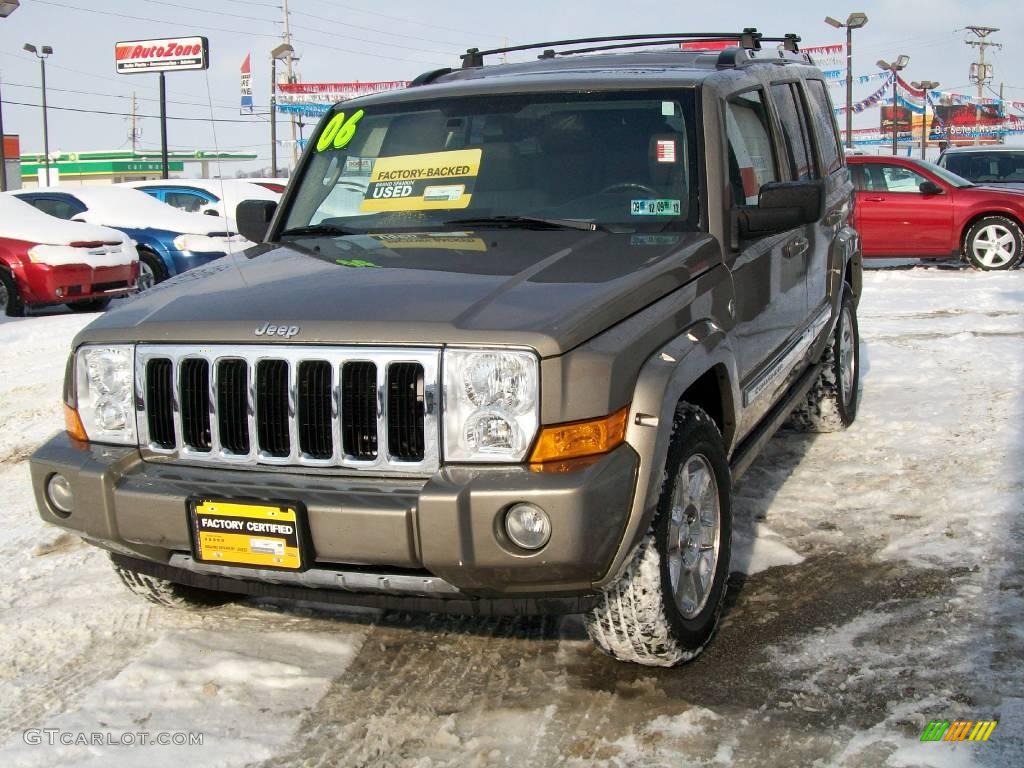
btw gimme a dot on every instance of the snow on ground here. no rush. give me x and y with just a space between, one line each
879 584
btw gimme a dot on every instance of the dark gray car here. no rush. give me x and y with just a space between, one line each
997 165
511 335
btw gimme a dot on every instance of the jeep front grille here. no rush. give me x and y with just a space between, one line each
370 409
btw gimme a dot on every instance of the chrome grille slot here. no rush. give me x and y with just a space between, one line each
159 392
359 410
316 438
233 406
367 409
194 386
272 414
405 411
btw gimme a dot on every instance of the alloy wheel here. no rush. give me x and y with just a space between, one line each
993 246
694 536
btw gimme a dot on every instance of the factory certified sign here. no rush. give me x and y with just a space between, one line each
163 55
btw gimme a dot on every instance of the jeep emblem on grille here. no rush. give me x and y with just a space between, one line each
278 330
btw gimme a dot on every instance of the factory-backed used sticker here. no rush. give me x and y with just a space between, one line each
655 207
433 181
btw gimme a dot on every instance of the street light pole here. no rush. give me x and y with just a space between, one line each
925 85
894 68
853 21
41 53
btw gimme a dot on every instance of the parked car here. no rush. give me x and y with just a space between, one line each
169 241
273 184
45 261
992 164
509 341
216 197
916 209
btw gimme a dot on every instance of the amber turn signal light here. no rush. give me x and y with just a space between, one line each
73 424
580 438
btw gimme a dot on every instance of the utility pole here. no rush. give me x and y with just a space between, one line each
981 73
135 133
289 63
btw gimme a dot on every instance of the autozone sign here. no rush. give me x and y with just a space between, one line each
162 55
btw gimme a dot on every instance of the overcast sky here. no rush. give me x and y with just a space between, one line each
361 40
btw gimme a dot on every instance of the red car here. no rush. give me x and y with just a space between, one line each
909 208
45 260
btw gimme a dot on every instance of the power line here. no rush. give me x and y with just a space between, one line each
111 95
128 114
416 22
212 13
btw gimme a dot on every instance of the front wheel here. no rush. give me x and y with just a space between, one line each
168 593
664 609
994 243
11 304
151 270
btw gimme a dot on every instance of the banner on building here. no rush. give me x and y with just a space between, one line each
964 123
895 118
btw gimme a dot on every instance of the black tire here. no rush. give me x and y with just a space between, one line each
831 404
169 594
95 305
155 265
994 243
639 619
10 300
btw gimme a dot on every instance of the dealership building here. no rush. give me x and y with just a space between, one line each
114 167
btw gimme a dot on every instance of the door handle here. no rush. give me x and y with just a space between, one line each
833 219
796 248
874 199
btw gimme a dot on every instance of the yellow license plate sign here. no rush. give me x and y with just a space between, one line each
255 535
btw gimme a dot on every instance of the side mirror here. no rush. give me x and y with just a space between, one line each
782 205
929 187
253 218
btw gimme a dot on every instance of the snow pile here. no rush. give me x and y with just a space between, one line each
21 221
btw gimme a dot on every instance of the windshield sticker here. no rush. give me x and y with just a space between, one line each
357 263
653 239
339 132
655 207
668 109
402 183
357 166
444 242
666 150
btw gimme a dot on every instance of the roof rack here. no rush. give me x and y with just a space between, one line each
749 39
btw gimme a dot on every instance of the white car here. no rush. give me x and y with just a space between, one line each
216 197
169 240
45 260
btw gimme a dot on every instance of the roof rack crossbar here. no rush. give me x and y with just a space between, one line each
748 38
551 53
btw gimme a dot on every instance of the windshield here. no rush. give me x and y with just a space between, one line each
988 167
623 160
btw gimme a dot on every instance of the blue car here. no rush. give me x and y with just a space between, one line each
170 241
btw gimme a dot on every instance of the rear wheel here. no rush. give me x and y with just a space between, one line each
168 593
831 404
664 609
10 301
994 243
151 270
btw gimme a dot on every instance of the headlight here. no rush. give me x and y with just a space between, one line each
180 243
490 404
105 384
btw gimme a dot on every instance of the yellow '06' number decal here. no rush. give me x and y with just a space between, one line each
339 131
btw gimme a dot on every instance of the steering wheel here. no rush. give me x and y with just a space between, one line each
626 186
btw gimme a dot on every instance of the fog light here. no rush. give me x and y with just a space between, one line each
528 526
60 495
60 293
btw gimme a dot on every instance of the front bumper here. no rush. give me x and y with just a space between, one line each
369 534
45 284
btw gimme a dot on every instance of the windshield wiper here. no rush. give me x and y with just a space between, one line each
313 230
524 222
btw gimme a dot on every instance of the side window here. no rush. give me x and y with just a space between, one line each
188 201
61 209
824 121
751 154
900 179
796 133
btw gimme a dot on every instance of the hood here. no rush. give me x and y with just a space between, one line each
549 290
22 221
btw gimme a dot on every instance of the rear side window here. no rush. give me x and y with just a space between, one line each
796 132
751 155
824 122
